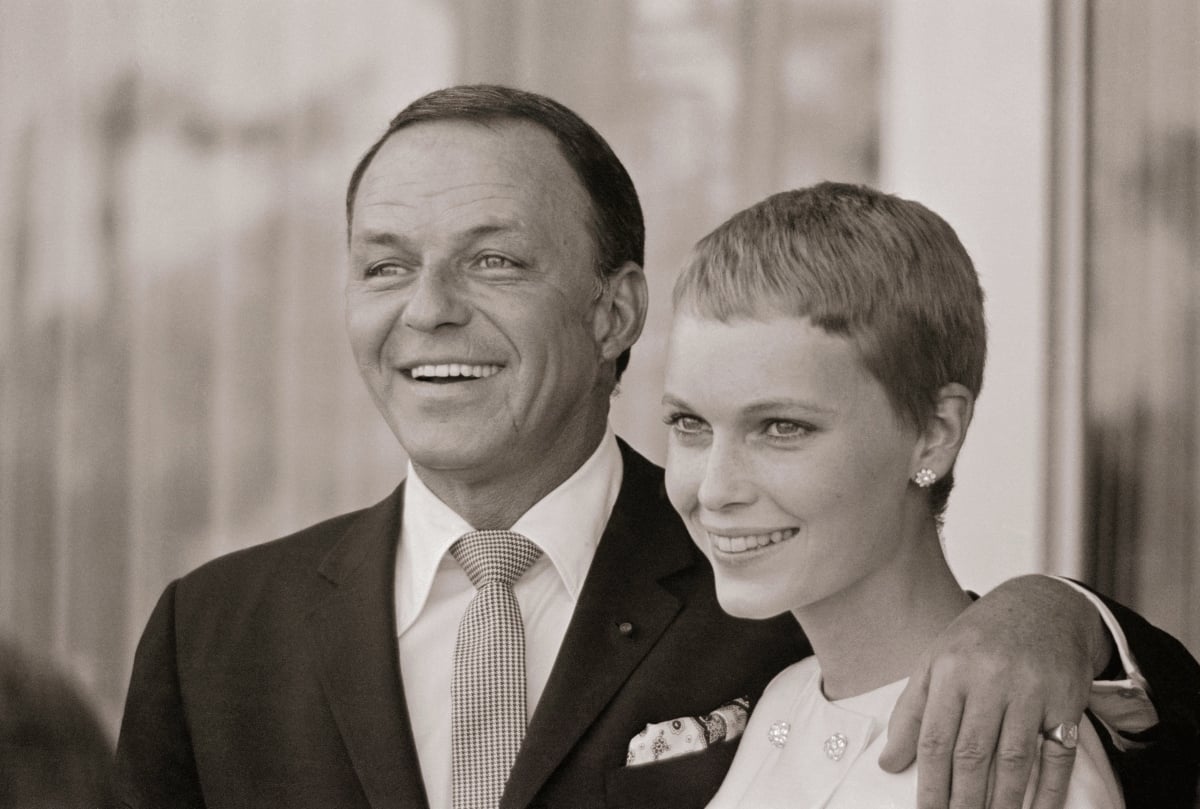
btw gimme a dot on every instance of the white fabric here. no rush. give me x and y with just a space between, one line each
432 593
801 776
1123 706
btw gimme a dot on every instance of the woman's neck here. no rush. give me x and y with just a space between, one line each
875 631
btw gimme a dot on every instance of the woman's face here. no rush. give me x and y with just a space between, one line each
785 459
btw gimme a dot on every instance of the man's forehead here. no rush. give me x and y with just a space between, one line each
512 153
504 165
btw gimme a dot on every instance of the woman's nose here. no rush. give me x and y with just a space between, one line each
725 482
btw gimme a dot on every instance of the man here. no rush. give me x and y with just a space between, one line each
495 290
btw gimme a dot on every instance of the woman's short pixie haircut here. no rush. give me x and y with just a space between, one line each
885 272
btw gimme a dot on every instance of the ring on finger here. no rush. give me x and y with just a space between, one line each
1064 733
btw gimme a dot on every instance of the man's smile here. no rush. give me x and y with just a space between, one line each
451 371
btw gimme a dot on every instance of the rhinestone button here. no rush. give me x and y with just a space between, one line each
835 746
778 732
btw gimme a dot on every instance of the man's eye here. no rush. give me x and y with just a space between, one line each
384 269
495 262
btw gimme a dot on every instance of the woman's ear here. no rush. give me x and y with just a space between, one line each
944 431
620 310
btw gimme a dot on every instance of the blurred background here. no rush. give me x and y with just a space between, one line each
174 378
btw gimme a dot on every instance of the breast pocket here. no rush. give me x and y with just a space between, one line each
686 782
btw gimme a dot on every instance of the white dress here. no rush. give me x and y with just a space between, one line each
830 755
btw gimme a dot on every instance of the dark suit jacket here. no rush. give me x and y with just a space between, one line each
270 677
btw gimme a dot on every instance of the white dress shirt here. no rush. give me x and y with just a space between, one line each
1122 706
432 593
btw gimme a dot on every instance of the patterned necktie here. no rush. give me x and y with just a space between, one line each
487 692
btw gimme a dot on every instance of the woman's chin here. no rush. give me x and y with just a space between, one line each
748 606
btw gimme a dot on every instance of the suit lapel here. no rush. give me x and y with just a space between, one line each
354 643
596 658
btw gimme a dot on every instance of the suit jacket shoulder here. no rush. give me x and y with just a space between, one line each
270 677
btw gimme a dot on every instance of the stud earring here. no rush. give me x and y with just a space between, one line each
925 477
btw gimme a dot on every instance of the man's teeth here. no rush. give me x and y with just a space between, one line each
454 369
749 542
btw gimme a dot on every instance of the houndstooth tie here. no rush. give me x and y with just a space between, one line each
487 692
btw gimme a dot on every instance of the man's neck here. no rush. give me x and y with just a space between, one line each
496 501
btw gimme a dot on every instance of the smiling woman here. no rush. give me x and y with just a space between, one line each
822 371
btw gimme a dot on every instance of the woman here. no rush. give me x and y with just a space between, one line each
823 367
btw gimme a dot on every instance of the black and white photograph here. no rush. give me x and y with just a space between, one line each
599 404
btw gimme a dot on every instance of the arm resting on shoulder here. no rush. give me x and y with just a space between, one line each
1022 660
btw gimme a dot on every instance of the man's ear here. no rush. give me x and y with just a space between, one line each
620 310
944 430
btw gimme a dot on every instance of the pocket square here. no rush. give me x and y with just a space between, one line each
688 734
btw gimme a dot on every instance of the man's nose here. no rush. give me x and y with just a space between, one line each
726 481
436 300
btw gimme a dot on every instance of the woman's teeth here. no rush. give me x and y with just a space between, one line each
749 542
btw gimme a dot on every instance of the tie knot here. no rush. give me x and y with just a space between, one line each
495 557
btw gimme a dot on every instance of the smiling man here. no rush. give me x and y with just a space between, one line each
524 621
477 316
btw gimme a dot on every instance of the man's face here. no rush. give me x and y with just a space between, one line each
472 299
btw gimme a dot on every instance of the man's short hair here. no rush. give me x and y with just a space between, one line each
885 272
617 226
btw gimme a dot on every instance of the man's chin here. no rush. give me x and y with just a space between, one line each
467 456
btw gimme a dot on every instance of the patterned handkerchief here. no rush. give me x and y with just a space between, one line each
688 734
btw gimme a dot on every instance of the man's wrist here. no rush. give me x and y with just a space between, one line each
1102 647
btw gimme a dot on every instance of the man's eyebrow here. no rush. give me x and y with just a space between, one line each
489 229
389 238
383 238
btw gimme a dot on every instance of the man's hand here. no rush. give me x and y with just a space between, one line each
1018 661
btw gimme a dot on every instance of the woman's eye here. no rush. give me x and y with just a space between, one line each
684 424
786 429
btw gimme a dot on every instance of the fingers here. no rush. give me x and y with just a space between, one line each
904 726
973 751
935 747
1057 762
1015 754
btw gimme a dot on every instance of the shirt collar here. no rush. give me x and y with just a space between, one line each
566 524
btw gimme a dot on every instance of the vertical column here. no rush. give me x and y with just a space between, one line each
965 131
1144 320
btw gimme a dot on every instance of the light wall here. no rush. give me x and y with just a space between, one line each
966 131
